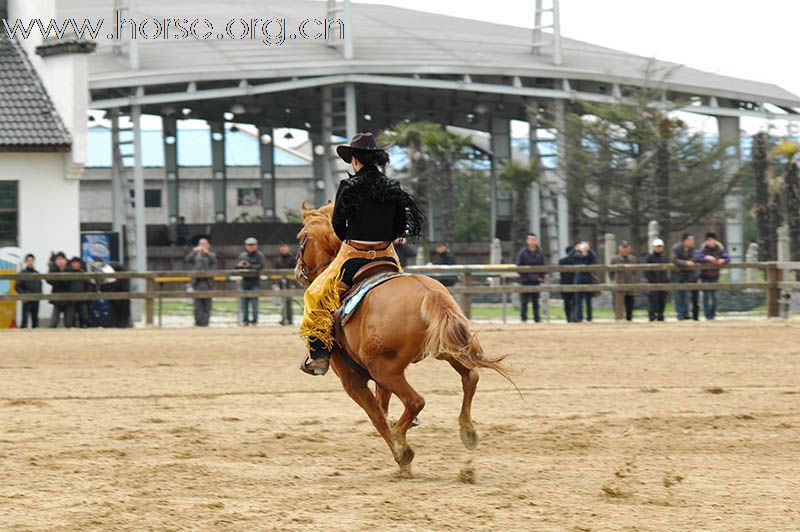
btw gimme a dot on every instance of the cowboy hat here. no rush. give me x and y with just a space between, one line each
361 142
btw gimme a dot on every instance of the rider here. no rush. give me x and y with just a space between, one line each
370 211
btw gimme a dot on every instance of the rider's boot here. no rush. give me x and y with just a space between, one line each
318 360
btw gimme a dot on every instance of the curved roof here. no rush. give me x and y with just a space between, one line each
386 40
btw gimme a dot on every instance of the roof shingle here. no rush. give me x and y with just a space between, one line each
28 119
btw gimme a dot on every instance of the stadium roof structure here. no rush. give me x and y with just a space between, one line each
395 50
344 67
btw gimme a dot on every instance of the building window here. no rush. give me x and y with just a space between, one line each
9 208
152 198
248 197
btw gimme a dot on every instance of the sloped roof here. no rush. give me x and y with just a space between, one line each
386 40
28 119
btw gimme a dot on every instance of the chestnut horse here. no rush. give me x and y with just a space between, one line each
398 322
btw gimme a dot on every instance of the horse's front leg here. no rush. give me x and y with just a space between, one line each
356 387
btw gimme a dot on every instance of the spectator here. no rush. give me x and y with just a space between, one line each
583 255
286 261
441 256
627 277
202 259
530 255
80 286
32 286
657 299
405 251
119 309
567 279
712 252
66 309
683 255
251 259
182 232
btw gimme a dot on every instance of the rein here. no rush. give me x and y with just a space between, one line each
305 275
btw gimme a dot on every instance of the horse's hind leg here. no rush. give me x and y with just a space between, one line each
356 387
469 382
413 403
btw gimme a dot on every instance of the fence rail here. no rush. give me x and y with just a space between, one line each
775 284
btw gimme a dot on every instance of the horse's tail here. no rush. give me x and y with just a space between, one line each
448 335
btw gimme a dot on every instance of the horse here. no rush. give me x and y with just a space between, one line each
399 322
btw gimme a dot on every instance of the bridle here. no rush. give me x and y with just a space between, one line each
304 276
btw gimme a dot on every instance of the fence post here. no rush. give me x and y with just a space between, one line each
784 255
149 305
466 299
774 274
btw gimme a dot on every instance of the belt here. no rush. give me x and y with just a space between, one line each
370 252
369 247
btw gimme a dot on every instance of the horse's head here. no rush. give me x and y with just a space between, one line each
318 243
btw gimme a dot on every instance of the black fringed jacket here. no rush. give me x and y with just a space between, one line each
370 206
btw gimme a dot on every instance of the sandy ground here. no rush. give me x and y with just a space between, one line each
679 426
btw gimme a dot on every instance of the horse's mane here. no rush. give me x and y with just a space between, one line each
317 224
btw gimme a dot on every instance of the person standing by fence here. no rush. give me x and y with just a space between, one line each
567 278
712 252
80 286
583 255
59 264
202 259
657 299
30 309
683 256
530 255
627 277
286 261
251 259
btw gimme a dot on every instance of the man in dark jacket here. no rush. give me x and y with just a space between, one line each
583 255
567 278
657 299
712 252
441 256
683 256
32 286
80 286
530 255
627 277
251 259
405 251
286 261
59 264
202 259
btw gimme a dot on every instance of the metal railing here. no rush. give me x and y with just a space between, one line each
473 280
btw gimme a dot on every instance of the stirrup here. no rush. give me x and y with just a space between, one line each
315 366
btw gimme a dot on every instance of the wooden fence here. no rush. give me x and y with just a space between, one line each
473 280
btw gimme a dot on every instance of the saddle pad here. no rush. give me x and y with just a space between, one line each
351 302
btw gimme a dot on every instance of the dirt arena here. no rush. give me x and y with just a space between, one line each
680 426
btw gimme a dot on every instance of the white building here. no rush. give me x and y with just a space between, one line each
43 104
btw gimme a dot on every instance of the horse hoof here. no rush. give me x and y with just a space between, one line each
406 457
469 438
